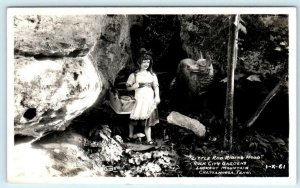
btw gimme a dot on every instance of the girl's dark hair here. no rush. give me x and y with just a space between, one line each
145 55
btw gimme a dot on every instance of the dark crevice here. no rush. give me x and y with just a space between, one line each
30 113
75 53
18 139
45 57
22 102
53 56
75 75
39 56
61 111
78 52
48 112
46 120
65 45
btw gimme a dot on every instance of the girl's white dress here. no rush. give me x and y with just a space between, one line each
144 96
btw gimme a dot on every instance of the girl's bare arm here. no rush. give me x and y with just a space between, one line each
132 87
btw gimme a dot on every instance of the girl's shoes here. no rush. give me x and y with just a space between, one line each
151 142
134 140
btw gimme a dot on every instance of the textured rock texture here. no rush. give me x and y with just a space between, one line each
49 93
63 154
112 51
52 160
56 36
183 121
59 155
62 65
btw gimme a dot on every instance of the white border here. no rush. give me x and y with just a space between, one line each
291 11
151 10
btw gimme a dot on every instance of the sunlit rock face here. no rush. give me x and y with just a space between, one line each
51 160
111 52
56 36
49 93
62 154
62 65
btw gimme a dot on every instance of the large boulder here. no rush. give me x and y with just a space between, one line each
63 154
49 93
33 164
62 67
56 36
61 158
111 52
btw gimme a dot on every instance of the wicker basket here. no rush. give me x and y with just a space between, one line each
121 104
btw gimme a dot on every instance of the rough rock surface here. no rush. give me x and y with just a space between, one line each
62 154
62 65
184 121
51 160
56 36
49 93
111 51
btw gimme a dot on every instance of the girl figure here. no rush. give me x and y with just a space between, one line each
145 84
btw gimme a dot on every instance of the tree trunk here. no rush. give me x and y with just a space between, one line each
269 97
231 64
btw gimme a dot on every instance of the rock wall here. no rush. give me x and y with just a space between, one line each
112 51
51 160
56 36
62 64
49 93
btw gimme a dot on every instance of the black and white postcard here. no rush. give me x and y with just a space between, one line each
192 95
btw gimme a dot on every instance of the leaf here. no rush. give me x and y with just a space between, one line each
265 146
279 141
200 150
251 145
264 150
241 20
254 78
283 43
242 28
261 139
278 48
103 136
224 80
105 130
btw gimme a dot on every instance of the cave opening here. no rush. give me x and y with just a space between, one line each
160 36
